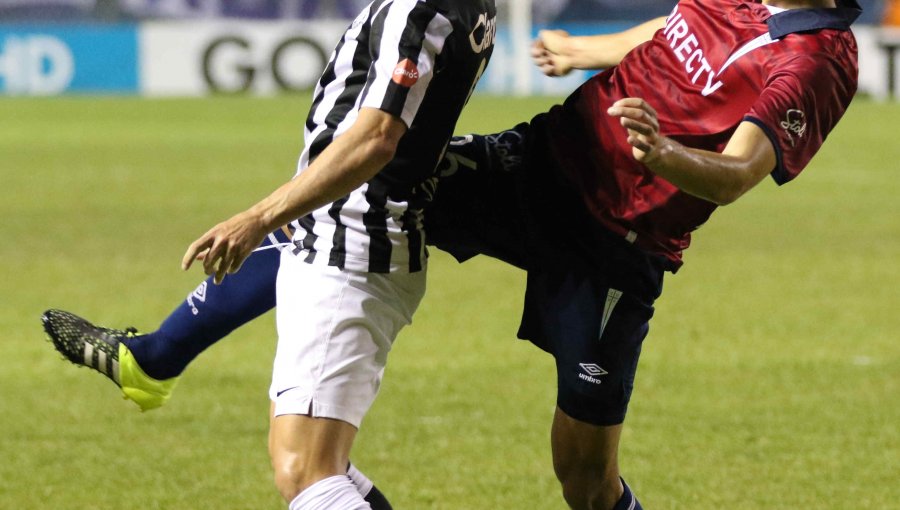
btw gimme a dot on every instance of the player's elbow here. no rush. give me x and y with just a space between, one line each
381 149
382 142
726 195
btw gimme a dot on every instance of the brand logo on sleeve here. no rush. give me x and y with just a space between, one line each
794 124
406 74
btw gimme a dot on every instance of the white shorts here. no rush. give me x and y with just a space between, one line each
335 329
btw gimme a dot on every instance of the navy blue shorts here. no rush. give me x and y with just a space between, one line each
589 296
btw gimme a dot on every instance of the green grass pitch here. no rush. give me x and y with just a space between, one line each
770 378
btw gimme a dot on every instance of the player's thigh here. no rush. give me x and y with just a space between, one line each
595 333
335 330
476 209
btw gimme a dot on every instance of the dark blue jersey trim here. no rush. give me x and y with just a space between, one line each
806 20
779 174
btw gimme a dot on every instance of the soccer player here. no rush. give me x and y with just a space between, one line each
383 112
611 184
597 198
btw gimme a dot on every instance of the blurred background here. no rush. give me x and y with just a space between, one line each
127 127
194 47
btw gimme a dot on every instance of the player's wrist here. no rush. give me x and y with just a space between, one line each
660 156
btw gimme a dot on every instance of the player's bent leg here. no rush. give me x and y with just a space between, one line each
585 459
146 367
595 332
306 450
335 330
299 463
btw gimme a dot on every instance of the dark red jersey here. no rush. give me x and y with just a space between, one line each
716 64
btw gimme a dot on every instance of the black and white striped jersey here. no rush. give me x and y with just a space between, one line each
418 60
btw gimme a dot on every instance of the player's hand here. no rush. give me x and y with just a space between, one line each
642 125
224 247
550 52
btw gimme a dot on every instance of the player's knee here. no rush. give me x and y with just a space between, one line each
292 475
287 479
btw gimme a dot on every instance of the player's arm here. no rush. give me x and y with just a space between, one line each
349 161
557 53
721 178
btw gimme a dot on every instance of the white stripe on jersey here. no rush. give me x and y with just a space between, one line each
389 54
358 239
436 33
343 66
351 218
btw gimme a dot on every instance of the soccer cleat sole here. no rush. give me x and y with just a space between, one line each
84 344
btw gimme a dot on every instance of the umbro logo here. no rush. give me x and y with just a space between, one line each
593 369
591 372
200 295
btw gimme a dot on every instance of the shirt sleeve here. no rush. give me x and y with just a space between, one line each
410 39
800 104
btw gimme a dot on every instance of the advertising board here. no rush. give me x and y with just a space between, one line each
56 59
196 58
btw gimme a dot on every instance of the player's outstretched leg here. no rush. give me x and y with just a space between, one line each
146 366
211 312
104 350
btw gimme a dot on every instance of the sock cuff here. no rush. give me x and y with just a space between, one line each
333 492
628 501
362 482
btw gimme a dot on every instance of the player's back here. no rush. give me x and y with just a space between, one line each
714 65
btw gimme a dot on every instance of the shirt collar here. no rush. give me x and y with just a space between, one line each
806 20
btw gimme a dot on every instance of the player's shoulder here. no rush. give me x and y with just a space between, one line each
831 50
464 11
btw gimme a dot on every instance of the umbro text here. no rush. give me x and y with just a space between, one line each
589 379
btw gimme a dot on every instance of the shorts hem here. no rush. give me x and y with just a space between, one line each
308 406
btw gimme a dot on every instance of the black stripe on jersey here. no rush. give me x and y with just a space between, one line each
375 220
416 26
338 255
414 236
328 75
307 223
375 34
354 86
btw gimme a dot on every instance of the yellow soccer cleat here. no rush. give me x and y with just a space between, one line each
137 386
102 349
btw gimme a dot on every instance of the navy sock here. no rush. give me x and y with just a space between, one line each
209 314
628 501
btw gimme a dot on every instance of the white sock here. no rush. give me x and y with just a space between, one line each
362 482
332 493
